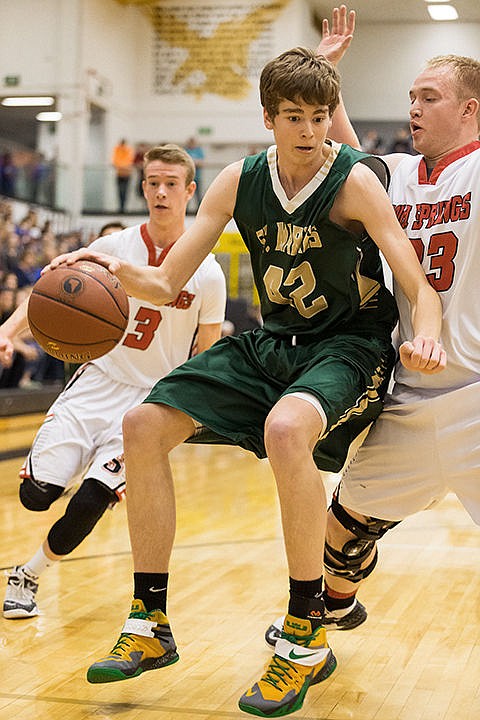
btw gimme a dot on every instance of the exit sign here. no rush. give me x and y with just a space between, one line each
11 80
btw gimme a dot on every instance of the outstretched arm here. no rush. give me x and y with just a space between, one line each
334 44
9 331
6 351
160 285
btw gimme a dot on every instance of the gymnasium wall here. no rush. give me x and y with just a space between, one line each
106 51
384 60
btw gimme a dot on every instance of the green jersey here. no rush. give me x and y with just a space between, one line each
313 277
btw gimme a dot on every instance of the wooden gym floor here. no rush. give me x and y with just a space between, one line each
416 658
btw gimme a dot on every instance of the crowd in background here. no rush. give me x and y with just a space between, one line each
401 142
127 161
25 248
27 175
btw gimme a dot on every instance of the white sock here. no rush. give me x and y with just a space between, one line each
38 563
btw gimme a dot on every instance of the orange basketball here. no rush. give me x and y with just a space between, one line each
78 312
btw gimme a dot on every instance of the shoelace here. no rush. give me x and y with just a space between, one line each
125 639
304 641
21 587
278 670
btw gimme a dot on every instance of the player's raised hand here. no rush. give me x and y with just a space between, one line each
424 355
108 261
336 40
6 351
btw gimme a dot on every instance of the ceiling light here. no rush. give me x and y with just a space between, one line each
442 12
49 116
437 1
28 101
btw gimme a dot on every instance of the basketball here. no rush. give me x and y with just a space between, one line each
78 312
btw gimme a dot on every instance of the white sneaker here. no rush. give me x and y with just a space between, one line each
20 594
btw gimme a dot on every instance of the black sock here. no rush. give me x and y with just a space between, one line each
152 589
337 601
306 600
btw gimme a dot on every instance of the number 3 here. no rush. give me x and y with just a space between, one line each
148 321
442 248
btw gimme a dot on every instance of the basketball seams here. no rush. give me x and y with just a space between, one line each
104 285
79 310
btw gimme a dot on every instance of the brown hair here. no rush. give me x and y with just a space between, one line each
299 74
173 155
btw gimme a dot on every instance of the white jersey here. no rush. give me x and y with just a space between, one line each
425 442
82 431
158 339
441 216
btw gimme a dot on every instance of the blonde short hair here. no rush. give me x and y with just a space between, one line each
173 155
465 72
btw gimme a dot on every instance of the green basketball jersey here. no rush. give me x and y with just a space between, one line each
313 277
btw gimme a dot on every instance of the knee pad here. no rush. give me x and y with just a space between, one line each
36 495
81 515
346 563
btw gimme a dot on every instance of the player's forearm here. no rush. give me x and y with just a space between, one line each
207 335
426 311
342 129
147 283
17 322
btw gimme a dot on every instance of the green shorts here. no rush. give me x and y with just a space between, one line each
231 388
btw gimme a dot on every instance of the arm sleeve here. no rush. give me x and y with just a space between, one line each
214 295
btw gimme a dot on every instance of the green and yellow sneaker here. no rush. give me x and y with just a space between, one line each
302 658
146 643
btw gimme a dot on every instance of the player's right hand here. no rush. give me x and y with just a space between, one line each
110 262
423 354
335 42
6 351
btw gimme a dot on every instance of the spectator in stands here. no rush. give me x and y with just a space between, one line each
11 248
402 142
39 178
48 244
28 268
122 160
111 227
8 175
373 143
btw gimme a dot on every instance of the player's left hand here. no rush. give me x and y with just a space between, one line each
108 261
335 42
423 354
6 351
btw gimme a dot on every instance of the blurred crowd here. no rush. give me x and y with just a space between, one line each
27 175
25 248
401 142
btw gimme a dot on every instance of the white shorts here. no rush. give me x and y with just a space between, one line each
415 454
82 432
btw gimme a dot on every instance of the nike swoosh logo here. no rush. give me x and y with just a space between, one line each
294 656
152 589
250 692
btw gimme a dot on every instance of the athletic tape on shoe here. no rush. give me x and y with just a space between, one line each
299 653
136 626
